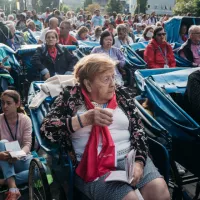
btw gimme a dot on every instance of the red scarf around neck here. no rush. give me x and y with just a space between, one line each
94 165
53 52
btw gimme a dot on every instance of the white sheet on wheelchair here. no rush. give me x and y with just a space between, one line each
52 87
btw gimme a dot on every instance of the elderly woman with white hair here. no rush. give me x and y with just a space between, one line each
96 124
122 37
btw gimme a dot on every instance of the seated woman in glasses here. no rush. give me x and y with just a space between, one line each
98 126
106 42
158 53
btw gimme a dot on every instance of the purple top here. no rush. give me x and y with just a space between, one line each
114 53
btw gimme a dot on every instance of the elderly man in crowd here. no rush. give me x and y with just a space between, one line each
190 50
65 37
53 24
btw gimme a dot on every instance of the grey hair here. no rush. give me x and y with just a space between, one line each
192 28
66 22
11 16
122 27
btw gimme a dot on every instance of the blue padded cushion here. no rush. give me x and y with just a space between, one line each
173 81
139 45
32 48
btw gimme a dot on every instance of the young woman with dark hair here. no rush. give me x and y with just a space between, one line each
14 126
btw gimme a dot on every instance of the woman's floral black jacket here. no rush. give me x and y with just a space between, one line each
55 128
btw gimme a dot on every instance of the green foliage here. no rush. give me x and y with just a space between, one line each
141 6
65 8
114 5
87 2
42 4
92 7
77 10
6 4
183 7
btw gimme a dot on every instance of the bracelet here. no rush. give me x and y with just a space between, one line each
79 120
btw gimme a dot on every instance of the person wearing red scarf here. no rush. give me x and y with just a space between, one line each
97 123
51 58
158 53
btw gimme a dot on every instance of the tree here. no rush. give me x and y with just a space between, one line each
183 7
92 7
141 6
5 4
77 10
65 8
114 5
87 2
42 4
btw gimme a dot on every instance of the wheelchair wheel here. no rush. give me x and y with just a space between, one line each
38 185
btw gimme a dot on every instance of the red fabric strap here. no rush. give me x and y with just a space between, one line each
94 165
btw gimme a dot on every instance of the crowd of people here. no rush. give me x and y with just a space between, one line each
93 111
83 25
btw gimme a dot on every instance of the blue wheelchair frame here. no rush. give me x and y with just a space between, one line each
173 25
37 116
168 115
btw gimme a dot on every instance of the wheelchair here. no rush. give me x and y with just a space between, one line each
28 73
8 78
62 167
170 124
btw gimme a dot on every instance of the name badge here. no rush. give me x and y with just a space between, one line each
166 66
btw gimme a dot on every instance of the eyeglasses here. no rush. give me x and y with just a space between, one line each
161 34
108 79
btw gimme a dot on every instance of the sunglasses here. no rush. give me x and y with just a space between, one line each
161 34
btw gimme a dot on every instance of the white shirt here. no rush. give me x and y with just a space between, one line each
118 130
42 36
119 43
79 24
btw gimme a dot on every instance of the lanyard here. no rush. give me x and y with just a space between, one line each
121 42
164 54
14 138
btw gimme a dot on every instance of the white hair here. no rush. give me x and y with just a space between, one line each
192 29
11 16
